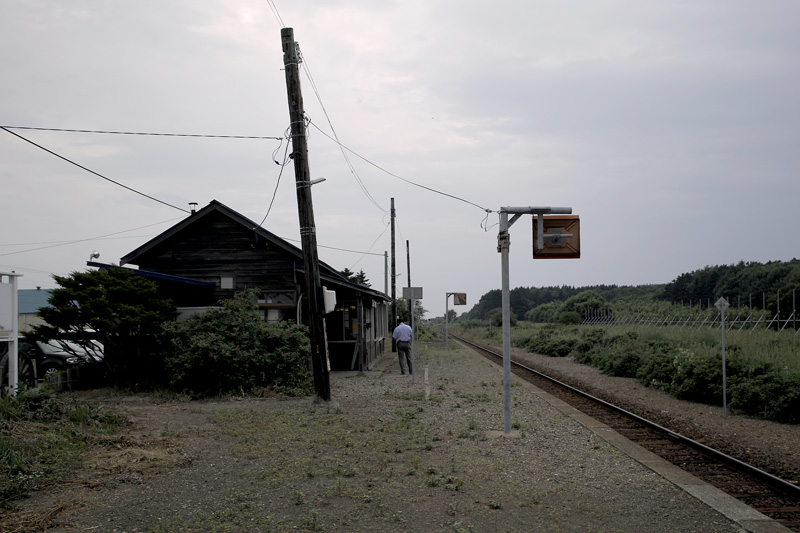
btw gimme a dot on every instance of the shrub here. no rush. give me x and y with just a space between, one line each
697 378
589 339
569 317
617 355
622 363
232 350
766 393
549 340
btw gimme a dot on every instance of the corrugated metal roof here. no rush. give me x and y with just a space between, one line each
31 300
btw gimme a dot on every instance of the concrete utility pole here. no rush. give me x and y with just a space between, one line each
393 319
305 209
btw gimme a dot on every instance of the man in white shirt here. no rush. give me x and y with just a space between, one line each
403 334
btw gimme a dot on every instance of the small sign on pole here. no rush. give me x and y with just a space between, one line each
412 294
459 298
722 304
556 237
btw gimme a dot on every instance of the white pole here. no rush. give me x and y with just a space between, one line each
413 303
504 242
13 343
446 321
722 304
724 373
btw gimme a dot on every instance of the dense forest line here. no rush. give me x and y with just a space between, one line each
762 281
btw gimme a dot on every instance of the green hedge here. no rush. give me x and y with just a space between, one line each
694 373
232 350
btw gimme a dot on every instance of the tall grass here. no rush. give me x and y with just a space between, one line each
42 438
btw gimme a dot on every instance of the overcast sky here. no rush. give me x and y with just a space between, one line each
671 128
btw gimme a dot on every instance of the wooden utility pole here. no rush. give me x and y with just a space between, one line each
393 320
408 266
305 210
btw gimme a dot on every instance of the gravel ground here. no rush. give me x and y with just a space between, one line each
385 454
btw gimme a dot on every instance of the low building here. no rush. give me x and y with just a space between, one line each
29 302
217 252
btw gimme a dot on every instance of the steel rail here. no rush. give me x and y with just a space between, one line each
774 481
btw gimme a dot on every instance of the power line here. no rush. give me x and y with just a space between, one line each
353 171
65 243
370 247
282 165
339 249
27 269
271 4
145 133
92 171
395 175
57 243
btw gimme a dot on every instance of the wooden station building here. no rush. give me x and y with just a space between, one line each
216 253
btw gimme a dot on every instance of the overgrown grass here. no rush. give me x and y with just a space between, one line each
42 438
763 368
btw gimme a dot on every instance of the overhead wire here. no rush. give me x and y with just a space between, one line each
65 243
334 248
27 269
368 252
278 182
146 133
343 147
92 171
274 8
353 171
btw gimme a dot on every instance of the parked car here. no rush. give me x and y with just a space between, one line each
52 356
26 374
39 359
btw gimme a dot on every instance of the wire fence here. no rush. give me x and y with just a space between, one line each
704 315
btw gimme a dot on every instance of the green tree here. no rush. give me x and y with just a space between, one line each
583 302
359 277
545 312
497 318
116 307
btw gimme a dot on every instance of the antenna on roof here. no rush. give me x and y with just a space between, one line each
94 255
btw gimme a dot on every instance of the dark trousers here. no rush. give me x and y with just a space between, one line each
404 351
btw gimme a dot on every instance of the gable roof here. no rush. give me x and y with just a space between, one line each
217 207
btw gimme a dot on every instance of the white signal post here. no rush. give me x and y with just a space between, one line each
412 294
503 245
9 321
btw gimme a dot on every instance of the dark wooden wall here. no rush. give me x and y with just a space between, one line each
216 246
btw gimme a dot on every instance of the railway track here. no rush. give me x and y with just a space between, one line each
768 494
